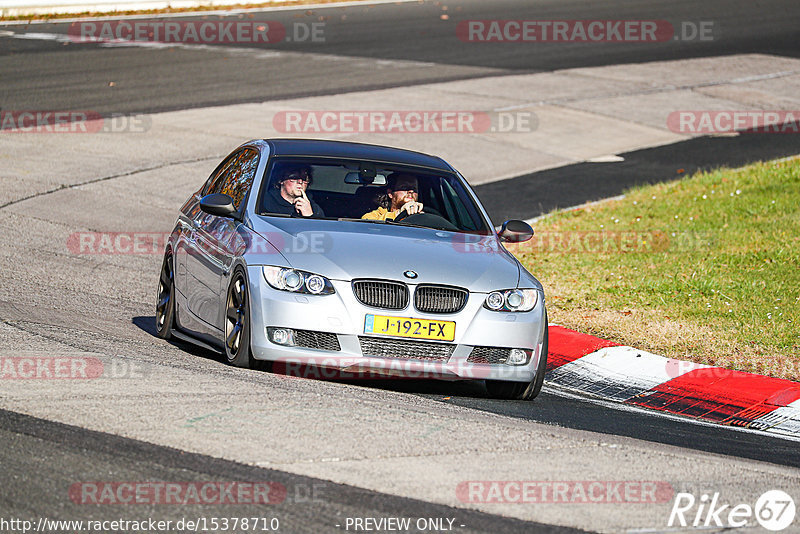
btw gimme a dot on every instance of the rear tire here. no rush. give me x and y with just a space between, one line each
523 390
165 298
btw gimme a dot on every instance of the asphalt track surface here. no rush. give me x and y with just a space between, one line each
53 75
43 458
554 408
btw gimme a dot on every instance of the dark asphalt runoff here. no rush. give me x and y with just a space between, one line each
51 471
530 195
40 74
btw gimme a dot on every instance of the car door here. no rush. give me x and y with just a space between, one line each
186 264
215 241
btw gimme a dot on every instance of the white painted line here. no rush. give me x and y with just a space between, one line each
220 12
619 373
612 158
761 77
37 36
255 53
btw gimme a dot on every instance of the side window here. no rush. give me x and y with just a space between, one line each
212 184
235 179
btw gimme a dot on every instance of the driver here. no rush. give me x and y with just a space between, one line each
402 192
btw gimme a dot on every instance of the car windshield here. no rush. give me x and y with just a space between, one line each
369 192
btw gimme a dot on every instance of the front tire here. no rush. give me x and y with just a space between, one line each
237 322
165 298
523 390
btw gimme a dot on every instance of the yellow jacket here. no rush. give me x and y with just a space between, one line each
380 214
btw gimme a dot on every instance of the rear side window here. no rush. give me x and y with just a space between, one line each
236 176
218 175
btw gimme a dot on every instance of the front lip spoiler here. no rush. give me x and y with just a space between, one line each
366 369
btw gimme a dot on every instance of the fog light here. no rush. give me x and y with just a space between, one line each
281 336
518 357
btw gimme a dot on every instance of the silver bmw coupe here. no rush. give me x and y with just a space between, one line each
364 259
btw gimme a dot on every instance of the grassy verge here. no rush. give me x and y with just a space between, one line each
706 268
243 5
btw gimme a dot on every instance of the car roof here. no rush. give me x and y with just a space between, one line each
358 151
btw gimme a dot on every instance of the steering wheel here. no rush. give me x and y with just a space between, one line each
425 210
428 219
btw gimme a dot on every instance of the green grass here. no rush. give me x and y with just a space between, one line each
705 268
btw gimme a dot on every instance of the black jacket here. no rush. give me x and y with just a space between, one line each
275 203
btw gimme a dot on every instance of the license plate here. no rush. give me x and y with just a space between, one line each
385 325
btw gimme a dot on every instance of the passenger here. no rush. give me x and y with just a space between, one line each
402 193
287 195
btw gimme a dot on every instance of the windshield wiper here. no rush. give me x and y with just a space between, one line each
403 223
385 221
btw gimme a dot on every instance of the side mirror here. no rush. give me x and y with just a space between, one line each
515 231
219 204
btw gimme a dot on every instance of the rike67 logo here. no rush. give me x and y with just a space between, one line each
774 510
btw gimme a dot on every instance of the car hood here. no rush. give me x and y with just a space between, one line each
343 250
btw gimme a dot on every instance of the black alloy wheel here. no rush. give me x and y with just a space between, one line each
165 299
237 322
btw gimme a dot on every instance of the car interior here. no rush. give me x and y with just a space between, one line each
350 189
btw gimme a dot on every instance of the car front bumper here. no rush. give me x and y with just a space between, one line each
342 315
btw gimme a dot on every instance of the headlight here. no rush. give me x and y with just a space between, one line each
297 281
512 300
495 301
